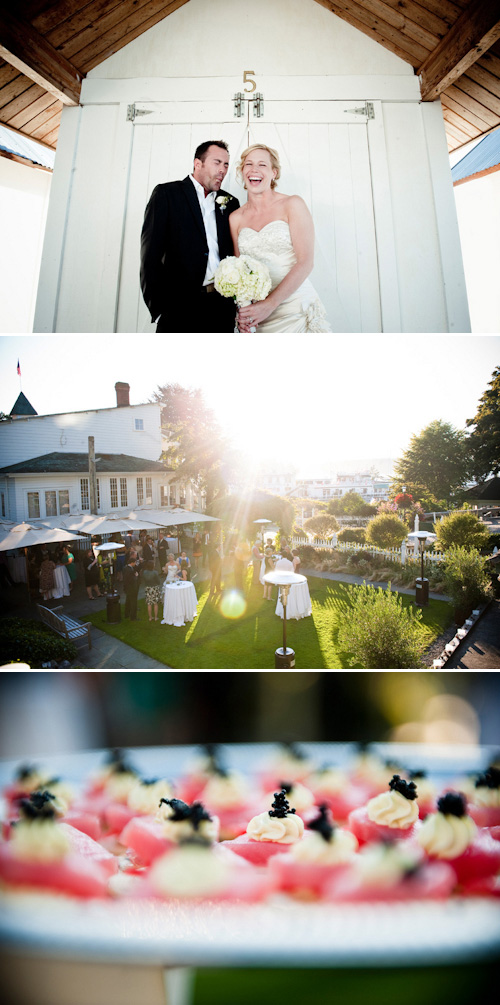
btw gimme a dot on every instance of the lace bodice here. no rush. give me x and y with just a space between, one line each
271 245
302 311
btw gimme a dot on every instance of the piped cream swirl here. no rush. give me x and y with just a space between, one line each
315 850
391 809
39 841
286 829
445 835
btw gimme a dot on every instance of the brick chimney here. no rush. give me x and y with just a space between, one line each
122 394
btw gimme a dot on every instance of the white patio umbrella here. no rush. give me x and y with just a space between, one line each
26 535
262 522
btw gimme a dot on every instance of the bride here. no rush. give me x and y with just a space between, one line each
276 229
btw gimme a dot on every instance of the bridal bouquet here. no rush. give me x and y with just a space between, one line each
244 279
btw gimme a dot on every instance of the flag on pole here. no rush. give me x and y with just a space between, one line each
18 368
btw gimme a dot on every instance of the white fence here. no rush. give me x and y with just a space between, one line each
403 555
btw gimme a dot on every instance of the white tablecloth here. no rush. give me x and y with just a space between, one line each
17 568
298 604
61 582
179 603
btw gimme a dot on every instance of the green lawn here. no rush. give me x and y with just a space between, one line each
213 641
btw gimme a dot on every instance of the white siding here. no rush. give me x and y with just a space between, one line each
112 428
407 268
20 485
24 198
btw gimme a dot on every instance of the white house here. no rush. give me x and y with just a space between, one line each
355 139
44 462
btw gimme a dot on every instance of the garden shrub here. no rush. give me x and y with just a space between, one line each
33 643
465 577
380 633
461 530
386 531
355 535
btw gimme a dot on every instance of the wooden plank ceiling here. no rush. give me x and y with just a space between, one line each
49 45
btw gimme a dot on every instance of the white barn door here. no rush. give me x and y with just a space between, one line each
324 151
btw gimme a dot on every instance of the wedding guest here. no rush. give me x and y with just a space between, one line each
268 567
215 566
153 588
131 586
256 563
296 560
162 549
46 584
197 550
241 559
68 559
148 552
91 574
5 576
184 566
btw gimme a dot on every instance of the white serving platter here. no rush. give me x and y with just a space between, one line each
278 933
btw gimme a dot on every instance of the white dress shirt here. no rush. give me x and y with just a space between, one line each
207 206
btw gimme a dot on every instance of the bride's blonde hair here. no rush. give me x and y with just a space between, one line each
275 161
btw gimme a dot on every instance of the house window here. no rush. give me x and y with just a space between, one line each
63 501
84 493
2 504
164 495
182 497
140 491
98 494
50 503
149 492
172 496
33 504
113 487
123 491
139 423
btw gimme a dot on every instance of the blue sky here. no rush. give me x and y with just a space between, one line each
312 401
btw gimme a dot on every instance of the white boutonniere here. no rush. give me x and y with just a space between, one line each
222 201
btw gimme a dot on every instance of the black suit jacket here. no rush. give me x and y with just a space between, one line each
174 249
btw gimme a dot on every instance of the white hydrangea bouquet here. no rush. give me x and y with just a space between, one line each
244 279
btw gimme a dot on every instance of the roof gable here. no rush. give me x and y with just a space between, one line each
78 463
49 47
22 406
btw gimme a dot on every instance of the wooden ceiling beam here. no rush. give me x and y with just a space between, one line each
34 56
477 28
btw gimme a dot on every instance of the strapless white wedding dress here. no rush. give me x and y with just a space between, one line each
303 310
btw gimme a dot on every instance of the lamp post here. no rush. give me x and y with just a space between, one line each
422 586
284 657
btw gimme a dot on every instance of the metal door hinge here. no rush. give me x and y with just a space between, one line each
366 109
133 112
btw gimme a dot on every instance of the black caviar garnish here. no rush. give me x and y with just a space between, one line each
286 787
406 789
215 767
322 824
24 772
489 779
118 763
39 806
149 781
452 804
418 773
281 806
195 812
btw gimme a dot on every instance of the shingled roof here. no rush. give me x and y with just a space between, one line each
49 47
69 463
22 406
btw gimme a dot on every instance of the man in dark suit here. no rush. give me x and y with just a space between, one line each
184 237
131 586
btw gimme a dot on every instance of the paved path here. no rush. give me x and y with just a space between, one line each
107 653
481 649
342 577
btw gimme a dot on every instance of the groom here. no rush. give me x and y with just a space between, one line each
184 237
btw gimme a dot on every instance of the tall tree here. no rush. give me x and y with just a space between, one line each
196 447
435 467
484 437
